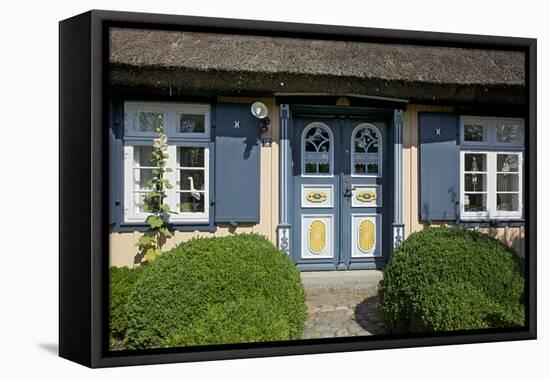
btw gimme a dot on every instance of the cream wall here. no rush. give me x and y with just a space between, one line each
512 236
123 249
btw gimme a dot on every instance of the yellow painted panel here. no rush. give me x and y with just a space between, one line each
317 238
367 236
316 197
366 196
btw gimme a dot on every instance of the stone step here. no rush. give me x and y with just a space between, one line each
359 282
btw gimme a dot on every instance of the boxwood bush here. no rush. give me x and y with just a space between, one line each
444 279
121 283
217 290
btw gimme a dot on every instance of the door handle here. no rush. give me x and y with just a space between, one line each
348 191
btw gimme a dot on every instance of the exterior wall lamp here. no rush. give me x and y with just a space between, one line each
260 111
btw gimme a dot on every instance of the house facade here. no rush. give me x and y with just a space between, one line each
334 150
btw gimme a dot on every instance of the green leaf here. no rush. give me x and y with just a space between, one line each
151 254
145 240
168 185
154 221
168 170
166 232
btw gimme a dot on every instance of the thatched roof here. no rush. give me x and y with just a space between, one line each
248 64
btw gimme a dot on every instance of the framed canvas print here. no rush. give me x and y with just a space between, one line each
234 188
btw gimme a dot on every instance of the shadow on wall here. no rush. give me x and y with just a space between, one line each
452 198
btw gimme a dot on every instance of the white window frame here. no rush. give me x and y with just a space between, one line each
176 139
171 113
492 213
379 153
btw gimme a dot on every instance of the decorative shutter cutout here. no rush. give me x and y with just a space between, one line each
439 166
237 164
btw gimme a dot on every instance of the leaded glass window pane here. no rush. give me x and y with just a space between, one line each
508 133
317 152
191 123
149 121
474 133
366 151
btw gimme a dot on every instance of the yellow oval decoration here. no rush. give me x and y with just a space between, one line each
367 238
366 196
317 236
316 197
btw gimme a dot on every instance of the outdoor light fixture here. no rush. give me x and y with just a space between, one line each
259 110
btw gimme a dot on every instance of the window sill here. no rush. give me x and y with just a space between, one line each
175 226
483 223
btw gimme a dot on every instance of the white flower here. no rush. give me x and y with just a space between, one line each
161 142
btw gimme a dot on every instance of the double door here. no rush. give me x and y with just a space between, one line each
340 177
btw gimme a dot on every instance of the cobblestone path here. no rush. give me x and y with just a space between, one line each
342 303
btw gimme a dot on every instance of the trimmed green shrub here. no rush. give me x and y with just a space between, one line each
121 284
217 290
449 278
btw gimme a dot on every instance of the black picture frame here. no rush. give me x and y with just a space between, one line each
83 197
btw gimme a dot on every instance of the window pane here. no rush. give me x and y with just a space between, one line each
372 167
324 168
360 168
508 133
141 177
191 156
475 202
316 152
366 140
139 201
142 156
474 133
507 182
507 202
475 162
311 168
191 202
507 163
149 121
191 123
194 178
475 182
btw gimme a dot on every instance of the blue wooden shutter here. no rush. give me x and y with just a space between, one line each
237 164
439 166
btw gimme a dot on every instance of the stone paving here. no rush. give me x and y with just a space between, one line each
342 303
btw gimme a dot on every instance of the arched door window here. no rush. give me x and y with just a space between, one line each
317 150
366 147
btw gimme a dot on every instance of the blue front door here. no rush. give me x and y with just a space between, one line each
340 216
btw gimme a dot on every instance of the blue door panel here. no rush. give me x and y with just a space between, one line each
350 210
